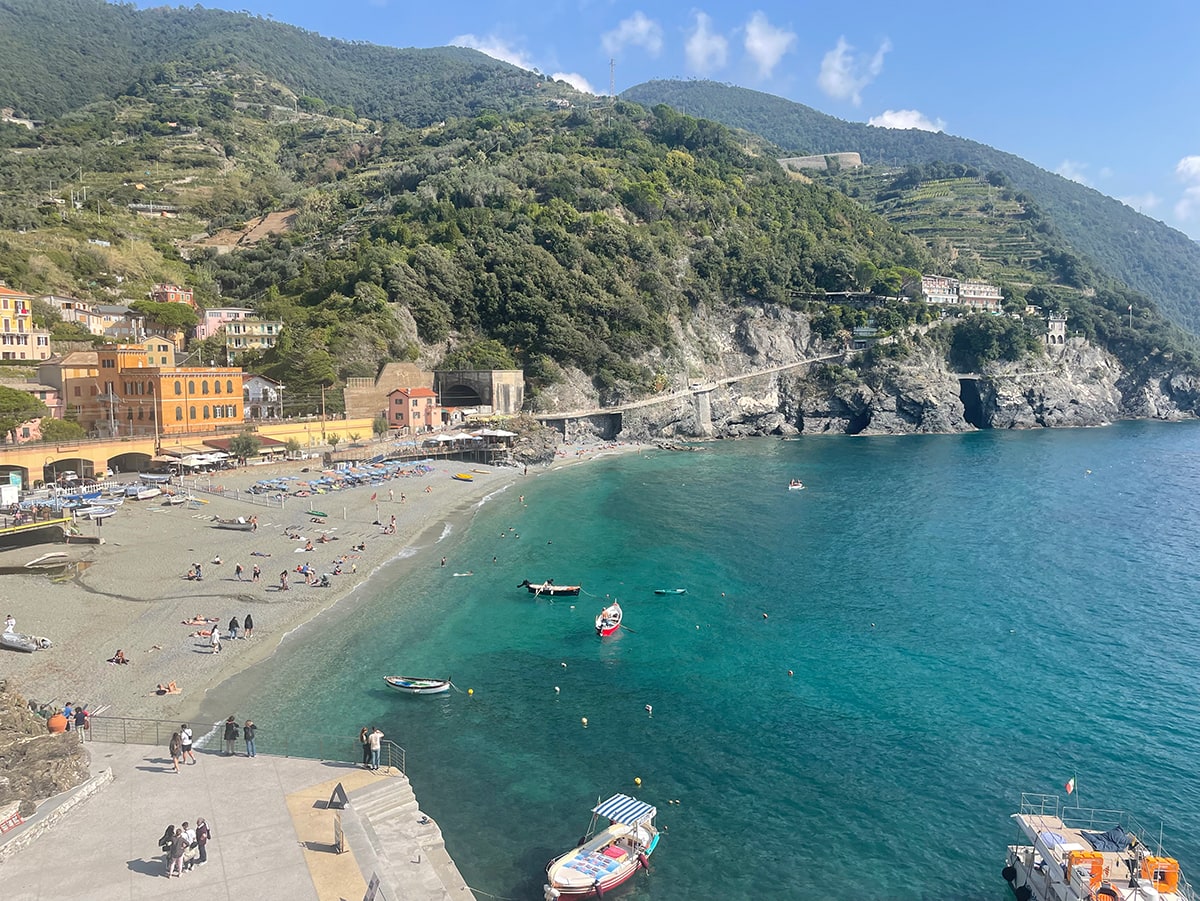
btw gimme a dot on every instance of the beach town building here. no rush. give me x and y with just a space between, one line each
47 394
243 330
941 290
122 390
262 397
414 410
79 312
213 320
173 294
19 340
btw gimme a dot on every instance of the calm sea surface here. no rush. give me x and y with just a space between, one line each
949 620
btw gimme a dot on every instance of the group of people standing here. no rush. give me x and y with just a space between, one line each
184 847
371 742
246 628
182 753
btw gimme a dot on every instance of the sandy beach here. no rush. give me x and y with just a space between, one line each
133 594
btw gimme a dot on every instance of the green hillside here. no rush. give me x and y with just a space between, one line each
60 55
1146 255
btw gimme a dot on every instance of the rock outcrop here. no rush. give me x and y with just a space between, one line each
741 371
34 764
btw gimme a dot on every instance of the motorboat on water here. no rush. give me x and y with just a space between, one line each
414 686
549 588
605 859
19 641
670 591
795 485
1086 854
608 620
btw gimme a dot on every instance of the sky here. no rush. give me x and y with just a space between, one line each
1103 93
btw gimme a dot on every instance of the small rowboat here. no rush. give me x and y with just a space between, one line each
411 686
609 620
19 641
670 591
795 485
317 513
550 589
238 525
464 477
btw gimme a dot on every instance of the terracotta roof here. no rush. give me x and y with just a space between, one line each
414 392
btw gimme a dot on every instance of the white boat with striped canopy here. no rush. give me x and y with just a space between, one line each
605 859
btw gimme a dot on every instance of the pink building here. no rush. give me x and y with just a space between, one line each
414 409
211 321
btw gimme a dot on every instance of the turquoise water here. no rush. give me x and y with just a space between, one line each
963 618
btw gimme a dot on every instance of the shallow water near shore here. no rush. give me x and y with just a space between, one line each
949 620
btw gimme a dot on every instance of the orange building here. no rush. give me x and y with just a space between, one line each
123 389
414 409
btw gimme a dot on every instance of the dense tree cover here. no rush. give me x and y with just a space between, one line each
61 430
554 238
63 54
1145 254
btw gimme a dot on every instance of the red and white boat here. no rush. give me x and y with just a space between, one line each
609 620
603 860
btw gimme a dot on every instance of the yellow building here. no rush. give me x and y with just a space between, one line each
19 340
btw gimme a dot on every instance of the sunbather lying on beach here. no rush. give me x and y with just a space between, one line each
169 689
118 657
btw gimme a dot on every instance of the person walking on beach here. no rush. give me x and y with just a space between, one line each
283 585
215 639
391 494
233 629
255 573
203 834
248 623
175 747
185 738
374 739
237 571
248 732
231 737
10 624
365 738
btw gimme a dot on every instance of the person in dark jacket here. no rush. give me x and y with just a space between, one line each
203 834
248 623
248 732
231 736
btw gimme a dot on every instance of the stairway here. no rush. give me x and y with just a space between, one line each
390 818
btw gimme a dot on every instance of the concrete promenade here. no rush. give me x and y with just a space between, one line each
273 835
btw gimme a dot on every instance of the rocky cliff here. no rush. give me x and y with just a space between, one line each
741 371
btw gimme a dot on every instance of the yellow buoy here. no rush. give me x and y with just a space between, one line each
584 721
470 691
637 780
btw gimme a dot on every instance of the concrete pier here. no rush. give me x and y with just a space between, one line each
273 834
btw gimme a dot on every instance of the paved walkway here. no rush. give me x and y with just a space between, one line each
272 834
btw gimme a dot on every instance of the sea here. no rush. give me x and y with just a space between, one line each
860 681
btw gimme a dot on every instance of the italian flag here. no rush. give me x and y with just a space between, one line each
1070 785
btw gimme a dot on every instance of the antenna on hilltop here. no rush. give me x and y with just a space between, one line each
612 80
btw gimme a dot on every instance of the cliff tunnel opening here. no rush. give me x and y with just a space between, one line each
858 422
968 392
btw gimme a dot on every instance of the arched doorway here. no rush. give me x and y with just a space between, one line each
58 471
460 395
130 462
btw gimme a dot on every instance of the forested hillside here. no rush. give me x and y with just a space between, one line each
60 55
1146 255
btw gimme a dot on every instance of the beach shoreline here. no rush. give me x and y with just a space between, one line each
132 594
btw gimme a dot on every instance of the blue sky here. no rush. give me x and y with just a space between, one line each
1104 93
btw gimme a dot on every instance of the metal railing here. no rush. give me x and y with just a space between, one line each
307 745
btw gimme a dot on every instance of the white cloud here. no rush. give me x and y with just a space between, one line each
767 44
1143 203
575 80
638 31
706 51
906 118
494 47
1074 171
1188 169
844 75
